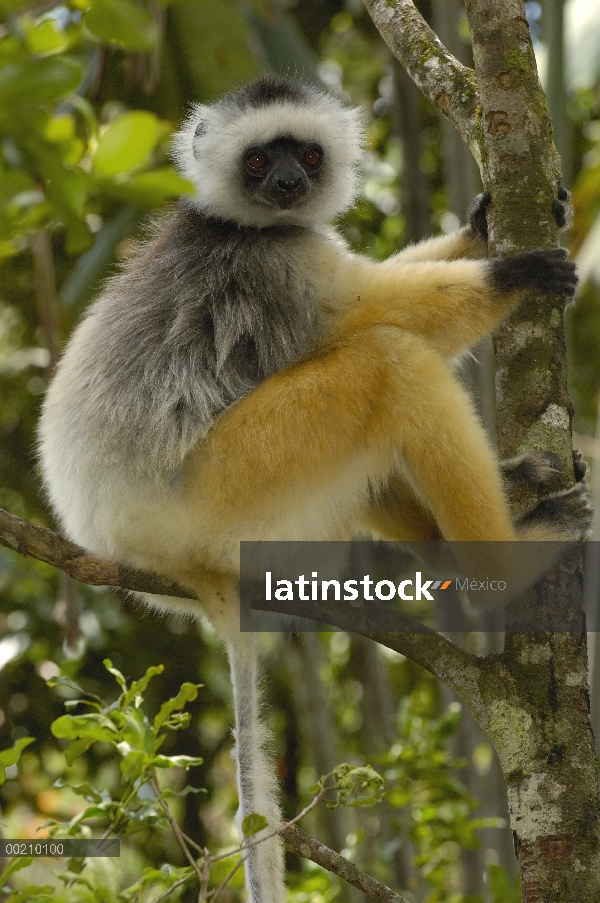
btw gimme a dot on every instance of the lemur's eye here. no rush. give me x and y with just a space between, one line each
257 161
312 156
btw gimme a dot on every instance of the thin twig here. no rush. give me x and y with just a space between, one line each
214 894
168 892
202 893
297 841
175 827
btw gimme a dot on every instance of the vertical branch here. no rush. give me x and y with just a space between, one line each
45 283
415 187
553 32
67 606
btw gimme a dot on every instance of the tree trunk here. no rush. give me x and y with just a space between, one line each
532 699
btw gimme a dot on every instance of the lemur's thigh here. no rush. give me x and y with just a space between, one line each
396 514
318 437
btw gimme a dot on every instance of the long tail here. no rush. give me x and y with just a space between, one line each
257 784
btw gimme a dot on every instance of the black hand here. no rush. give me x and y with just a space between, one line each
548 272
477 214
562 208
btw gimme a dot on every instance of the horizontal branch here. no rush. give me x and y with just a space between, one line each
39 542
302 844
458 669
449 85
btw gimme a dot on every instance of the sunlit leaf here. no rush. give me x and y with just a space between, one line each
11 756
138 686
115 673
176 761
47 38
253 823
127 142
121 22
84 727
187 693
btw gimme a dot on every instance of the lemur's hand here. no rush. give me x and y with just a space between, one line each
478 215
562 208
547 272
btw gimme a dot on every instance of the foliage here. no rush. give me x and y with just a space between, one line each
437 809
90 92
141 803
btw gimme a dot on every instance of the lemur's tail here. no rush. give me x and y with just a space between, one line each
257 784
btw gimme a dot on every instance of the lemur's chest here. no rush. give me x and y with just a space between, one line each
262 316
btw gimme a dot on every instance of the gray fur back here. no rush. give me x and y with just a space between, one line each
198 319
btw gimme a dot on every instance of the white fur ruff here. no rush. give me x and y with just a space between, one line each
212 159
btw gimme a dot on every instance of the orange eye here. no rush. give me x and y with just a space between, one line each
256 161
311 157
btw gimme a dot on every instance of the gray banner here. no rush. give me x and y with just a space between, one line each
366 586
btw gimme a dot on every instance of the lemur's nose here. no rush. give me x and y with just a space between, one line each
289 186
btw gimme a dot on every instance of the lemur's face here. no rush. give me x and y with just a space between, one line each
277 152
283 173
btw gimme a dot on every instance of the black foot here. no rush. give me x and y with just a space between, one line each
478 215
533 468
579 465
569 511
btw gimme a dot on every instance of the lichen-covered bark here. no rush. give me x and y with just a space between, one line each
440 76
532 699
537 712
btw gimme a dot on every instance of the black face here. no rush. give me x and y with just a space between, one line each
281 173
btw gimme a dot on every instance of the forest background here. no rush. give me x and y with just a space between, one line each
89 96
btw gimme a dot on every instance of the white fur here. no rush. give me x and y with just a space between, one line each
212 160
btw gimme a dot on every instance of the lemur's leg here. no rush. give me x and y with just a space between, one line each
298 457
396 514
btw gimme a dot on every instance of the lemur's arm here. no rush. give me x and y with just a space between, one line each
469 242
450 303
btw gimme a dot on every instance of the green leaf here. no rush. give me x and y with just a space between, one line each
187 693
85 790
134 761
121 22
15 865
115 673
253 823
149 189
138 686
11 756
38 81
176 761
33 893
501 887
85 727
75 749
61 681
47 38
127 142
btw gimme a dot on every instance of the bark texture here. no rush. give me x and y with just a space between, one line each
532 699
538 704
440 76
